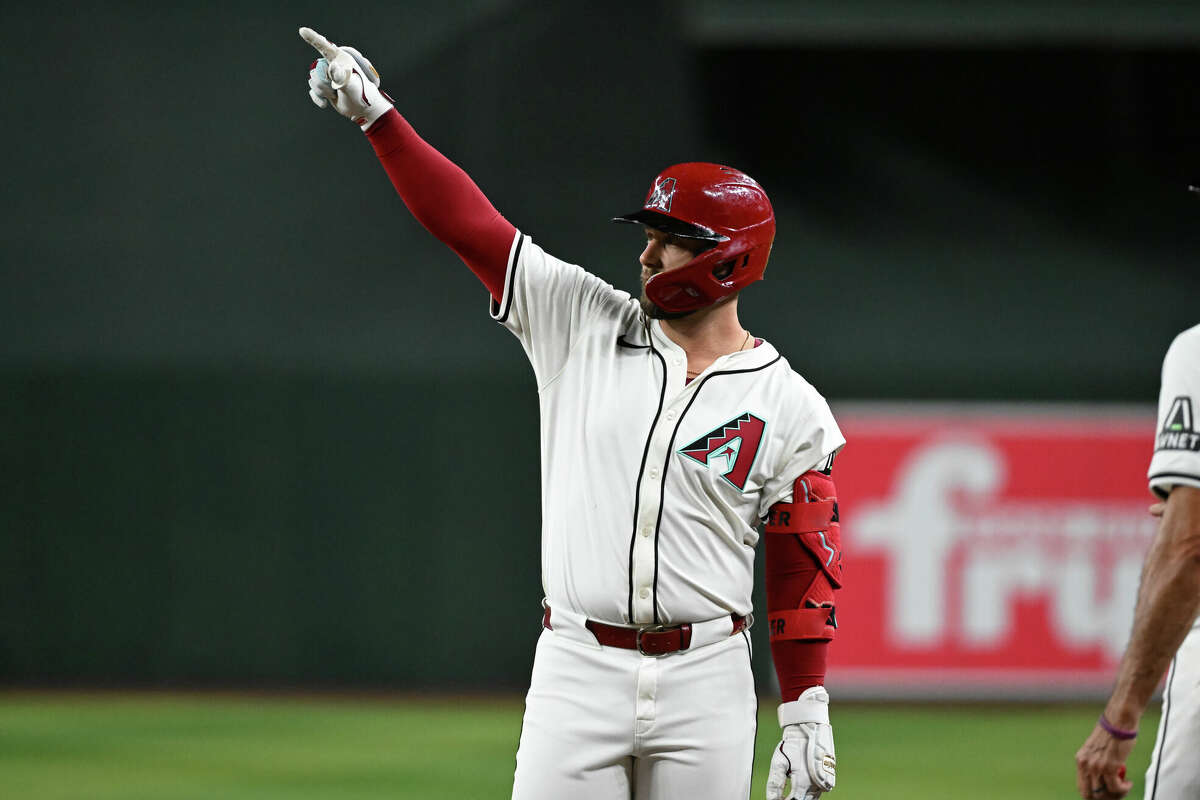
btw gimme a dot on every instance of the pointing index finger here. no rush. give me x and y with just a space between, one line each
323 45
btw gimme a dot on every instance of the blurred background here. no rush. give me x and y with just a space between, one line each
258 432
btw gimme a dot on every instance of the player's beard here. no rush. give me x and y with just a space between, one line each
654 311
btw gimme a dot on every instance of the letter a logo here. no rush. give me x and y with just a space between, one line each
1179 418
1178 430
730 448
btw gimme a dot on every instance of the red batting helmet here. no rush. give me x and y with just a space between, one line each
719 205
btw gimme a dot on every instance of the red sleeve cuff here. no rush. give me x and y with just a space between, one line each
390 133
800 665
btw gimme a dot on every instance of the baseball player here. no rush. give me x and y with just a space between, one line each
669 435
1165 621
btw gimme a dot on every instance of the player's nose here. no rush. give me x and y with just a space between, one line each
649 259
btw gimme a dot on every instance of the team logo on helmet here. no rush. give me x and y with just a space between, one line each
730 448
660 197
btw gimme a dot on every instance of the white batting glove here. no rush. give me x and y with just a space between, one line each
805 754
343 78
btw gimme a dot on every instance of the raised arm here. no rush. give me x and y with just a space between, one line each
439 194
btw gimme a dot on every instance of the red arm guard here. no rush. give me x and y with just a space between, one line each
444 199
804 567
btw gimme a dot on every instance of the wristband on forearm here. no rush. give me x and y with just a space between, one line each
1114 731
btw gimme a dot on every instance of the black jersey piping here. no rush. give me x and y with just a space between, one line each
623 342
512 279
1158 475
662 487
1162 742
754 741
1187 475
637 494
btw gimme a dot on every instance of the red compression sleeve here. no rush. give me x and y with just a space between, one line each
803 569
444 199
799 663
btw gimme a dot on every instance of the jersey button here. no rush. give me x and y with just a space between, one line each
647 530
644 593
679 362
670 416
654 473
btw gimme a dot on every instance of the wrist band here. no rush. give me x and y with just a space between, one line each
1114 731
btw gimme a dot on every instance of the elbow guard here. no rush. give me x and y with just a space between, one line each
804 561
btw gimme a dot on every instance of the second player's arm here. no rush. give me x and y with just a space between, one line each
1167 605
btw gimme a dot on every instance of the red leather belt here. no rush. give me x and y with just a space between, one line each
651 640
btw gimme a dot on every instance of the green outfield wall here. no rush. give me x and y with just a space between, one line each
182 527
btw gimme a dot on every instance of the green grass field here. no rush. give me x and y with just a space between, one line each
176 747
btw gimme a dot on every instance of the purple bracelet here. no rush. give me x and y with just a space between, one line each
1114 731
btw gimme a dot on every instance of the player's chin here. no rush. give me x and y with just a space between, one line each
655 312
649 308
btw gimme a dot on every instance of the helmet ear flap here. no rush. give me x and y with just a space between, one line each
726 268
723 270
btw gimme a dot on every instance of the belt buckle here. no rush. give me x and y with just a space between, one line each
653 629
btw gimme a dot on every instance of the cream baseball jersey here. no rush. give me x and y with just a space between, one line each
1176 460
652 486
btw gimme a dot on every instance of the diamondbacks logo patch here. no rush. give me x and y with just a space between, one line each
661 194
1179 431
730 449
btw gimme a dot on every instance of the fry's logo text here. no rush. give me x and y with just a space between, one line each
960 556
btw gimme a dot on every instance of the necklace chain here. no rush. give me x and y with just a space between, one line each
693 373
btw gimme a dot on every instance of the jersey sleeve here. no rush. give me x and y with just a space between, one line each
812 447
1176 460
547 303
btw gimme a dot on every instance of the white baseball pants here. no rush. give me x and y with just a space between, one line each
1174 772
605 723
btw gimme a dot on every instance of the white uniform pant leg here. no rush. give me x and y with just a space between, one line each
576 736
611 724
700 743
1174 772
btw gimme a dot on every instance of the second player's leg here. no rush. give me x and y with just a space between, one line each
1175 768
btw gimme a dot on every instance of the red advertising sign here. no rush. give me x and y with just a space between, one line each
989 551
